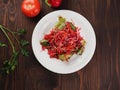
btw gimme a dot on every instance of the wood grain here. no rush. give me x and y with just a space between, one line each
102 73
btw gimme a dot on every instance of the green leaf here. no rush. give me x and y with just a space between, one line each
62 57
24 52
21 32
72 26
44 42
61 26
9 65
24 42
6 63
6 67
81 49
61 23
8 71
65 57
13 68
2 44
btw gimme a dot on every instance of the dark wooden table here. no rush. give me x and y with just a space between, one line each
102 73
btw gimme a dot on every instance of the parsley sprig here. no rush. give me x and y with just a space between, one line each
10 64
2 44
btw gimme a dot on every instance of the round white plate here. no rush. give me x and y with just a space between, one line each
76 62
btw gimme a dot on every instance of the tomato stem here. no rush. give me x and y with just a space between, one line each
46 1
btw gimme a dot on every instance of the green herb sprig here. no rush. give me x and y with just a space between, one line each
2 44
10 64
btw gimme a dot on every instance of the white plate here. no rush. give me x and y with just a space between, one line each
76 62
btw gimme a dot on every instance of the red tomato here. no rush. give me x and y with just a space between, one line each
53 3
31 8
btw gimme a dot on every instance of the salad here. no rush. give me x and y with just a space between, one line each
64 40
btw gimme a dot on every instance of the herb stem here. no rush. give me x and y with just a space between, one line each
11 33
13 48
